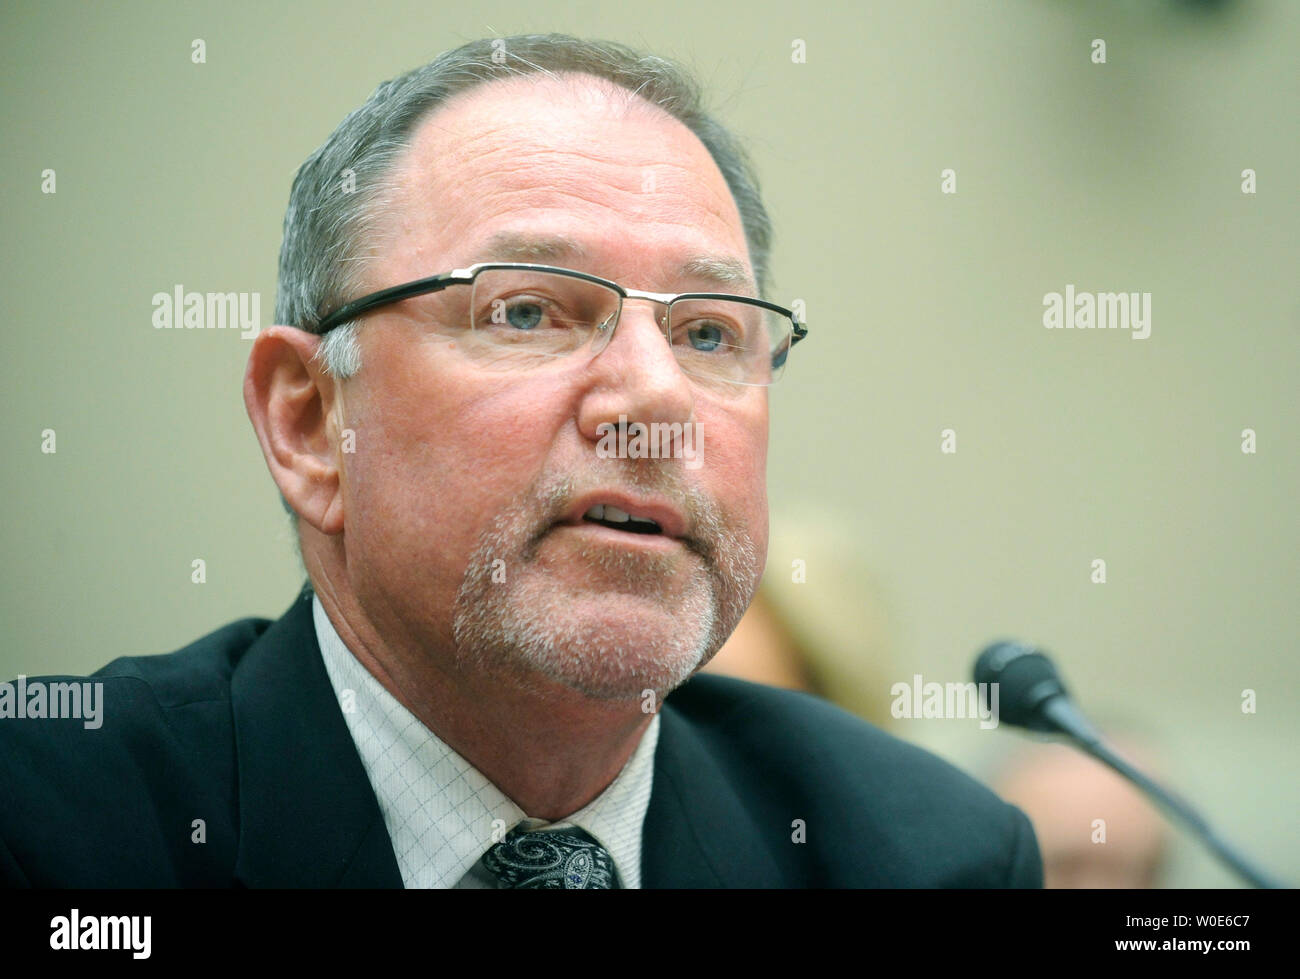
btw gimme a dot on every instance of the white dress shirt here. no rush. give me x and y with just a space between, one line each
442 812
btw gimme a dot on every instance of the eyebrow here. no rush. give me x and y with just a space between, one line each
514 246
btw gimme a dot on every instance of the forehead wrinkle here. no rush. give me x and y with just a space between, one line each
730 273
504 149
577 196
460 167
503 108
488 195
505 171
492 148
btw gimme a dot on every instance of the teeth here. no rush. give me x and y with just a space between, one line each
612 514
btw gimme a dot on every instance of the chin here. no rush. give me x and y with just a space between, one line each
607 647
614 665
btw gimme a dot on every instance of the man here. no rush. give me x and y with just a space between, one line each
1064 793
473 690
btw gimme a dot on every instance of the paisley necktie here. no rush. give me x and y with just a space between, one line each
565 859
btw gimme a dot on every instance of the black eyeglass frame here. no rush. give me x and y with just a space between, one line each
467 275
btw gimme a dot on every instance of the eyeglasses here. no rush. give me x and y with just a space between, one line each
523 316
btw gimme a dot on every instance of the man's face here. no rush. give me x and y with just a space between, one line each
465 495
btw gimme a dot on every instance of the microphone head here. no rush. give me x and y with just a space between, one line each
1026 680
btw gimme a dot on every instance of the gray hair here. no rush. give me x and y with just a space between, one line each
339 193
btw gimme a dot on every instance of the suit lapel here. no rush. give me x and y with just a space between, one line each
308 816
697 832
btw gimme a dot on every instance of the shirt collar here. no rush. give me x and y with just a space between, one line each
442 814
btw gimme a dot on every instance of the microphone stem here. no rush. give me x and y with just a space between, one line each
1086 737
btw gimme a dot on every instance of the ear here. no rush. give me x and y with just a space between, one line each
290 401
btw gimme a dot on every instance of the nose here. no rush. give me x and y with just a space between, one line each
635 374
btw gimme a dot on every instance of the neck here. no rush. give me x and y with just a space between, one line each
549 748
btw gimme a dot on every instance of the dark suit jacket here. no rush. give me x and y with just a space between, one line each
242 730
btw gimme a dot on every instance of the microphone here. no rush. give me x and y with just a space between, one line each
1031 695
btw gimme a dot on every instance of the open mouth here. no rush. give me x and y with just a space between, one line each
611 516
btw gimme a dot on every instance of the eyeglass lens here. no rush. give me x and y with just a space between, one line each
524 318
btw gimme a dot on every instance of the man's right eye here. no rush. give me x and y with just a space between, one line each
516 313
523 315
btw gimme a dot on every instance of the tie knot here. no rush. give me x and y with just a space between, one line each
564 859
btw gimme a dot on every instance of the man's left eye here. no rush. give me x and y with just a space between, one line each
707 337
